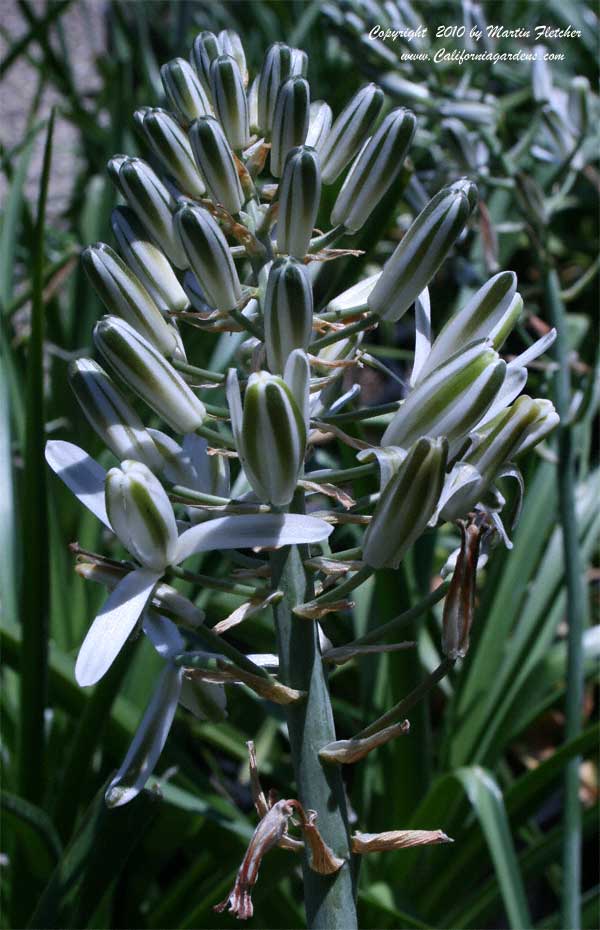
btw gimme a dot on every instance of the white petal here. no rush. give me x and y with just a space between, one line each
534 351
422 333
163 634
81 474
111 628
297 377
389 459
234 399
148 741
243 532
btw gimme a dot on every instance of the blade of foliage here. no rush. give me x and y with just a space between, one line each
35 594
93 859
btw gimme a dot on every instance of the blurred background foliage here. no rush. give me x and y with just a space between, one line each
486 756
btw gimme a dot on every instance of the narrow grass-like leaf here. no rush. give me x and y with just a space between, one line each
96 855
486 799
35 593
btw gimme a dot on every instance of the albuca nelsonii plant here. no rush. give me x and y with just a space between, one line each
224 240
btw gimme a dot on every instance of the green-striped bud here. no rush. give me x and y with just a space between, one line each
216 162
476 320
290 121
229 98
152 203
507 323
252 96
276 68
299 197
147 261
288 311
375 170
270 435
123 294
231 44
469 111
579 102
299 62
460 143
544 421
420 253
349 131
468 188
510 434
141 515
184 92
171 146
205 49
149 374
209 256
507 437
110 415
451 401
406 504
320 118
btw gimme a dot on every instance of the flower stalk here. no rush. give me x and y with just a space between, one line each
329 899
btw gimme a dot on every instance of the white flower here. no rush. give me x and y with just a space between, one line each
127 602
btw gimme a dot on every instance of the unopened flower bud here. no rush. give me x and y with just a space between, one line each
150 200
170 144
299 197
290 121
141 514
406 504
184 92
474 321
349 131
451 401
123 294
299 62
508 436
110 415
459 604
231 44
216 162
149 374
270 435
209 256
579 104
276 68
469 111
375 170
544 422
252 96
147 261
420 253
288 311
229 98
507 323
205 49
468 188
320 118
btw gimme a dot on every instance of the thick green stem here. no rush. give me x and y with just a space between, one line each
575 608
329 899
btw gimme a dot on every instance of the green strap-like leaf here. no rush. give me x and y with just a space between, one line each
487 802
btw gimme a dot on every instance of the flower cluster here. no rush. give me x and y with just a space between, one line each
217 233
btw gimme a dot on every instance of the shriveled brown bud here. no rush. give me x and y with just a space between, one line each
270 830
460 600
396 839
